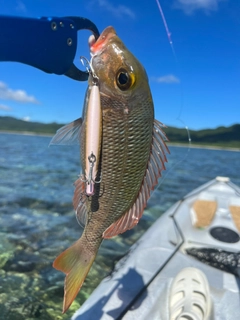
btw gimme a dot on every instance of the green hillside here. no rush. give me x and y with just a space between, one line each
221 136
17 125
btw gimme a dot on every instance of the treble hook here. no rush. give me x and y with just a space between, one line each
90 181
92 160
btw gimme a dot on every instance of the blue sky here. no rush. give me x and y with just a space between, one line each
198 87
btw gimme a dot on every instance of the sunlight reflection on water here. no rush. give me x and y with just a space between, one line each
37 220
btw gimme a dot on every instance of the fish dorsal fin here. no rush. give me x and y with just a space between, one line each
79 202
153 172
68 134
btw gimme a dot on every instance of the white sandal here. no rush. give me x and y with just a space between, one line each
190 296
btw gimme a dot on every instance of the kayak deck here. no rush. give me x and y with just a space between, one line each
139 287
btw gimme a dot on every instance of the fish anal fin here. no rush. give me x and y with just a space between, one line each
75 262
79 202
120 225
128 220
152 174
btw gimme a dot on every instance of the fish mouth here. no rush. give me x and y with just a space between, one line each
103 39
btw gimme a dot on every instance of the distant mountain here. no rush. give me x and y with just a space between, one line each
221 136
17 125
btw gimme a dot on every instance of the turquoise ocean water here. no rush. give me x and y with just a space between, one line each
37 221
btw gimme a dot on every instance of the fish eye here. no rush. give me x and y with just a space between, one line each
124 79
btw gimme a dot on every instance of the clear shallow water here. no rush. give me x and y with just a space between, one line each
37 221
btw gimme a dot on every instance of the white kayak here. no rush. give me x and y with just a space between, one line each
185 266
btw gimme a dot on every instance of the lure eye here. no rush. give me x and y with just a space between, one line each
124 79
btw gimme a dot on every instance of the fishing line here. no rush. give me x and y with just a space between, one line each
181 92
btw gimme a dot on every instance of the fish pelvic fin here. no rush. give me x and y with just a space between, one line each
79 202
75 262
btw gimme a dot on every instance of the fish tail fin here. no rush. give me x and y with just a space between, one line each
75 262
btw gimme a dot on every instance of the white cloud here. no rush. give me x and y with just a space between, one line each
21 6
5 108
189 6
16 95
169 78
27 118
117 10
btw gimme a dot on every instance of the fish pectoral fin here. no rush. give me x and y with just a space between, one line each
68 134
75 262
153 172
79 202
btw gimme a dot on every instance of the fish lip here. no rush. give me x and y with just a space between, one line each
103 39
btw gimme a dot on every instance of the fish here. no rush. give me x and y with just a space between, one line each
122 153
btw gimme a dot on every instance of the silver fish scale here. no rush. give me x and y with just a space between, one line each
126 145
